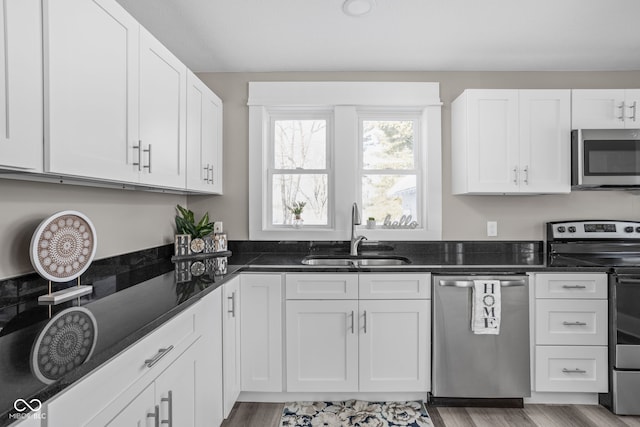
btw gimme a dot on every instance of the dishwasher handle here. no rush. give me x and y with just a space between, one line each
469 283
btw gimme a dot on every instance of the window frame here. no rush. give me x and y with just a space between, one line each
394 114
275 114
345 99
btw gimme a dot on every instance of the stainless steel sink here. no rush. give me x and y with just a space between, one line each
349 261
327 261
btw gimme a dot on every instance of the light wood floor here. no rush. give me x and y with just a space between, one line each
268 415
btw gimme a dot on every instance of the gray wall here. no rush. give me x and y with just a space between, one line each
125 221
464 217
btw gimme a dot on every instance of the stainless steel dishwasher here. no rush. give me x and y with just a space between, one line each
470 366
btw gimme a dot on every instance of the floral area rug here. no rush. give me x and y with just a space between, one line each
355 413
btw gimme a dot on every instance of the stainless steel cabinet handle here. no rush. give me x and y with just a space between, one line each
155 415
628 281
469 283
206 171
365 321
621 108
574 287
573 371
159 355
353 316
233 304
634 108
169 400
526 175
211 167
574 323
148 150
139 148
515 175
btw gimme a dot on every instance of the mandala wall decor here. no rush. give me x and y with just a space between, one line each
63 246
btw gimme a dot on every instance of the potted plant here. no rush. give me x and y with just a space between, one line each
296 209
371 222
189 238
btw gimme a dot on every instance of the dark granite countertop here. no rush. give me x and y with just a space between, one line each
129 303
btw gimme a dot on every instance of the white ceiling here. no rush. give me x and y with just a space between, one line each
398 35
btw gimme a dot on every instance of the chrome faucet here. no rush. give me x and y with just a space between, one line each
355 220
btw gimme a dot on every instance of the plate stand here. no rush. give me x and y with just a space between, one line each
58 297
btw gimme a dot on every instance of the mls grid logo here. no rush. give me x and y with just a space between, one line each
27 409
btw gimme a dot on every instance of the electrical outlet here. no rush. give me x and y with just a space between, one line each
492 228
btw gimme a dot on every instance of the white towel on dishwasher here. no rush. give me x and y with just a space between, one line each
485 307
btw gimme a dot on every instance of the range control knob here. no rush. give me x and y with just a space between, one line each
561 229
637 229
628 229
572 229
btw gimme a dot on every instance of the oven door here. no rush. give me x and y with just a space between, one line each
626 321
606 157
625 338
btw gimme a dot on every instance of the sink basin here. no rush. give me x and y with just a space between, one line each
355 261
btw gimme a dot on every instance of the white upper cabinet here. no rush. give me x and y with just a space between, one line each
204 137
162 133
21 134
116 103
511 142
605 109
91 89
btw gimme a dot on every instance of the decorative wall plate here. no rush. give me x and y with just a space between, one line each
63 246
65 343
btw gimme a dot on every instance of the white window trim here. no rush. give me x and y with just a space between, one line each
345 98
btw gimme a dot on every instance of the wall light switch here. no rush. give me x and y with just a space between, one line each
492 228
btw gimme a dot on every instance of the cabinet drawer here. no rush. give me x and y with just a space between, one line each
571 322
98 389
571 285
571 369
321 286
395 286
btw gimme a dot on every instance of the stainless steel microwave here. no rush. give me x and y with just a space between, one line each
605 158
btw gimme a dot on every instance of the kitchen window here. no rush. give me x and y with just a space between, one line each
299 169
329 144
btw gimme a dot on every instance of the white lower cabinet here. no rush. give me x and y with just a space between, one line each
350 345
322 345
395 345
173 376
261 332
571 318
232 380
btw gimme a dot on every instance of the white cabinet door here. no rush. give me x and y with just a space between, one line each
322 345
598 109
140 412
209 362
175 389
91 89
21 126
204 137
545 141
162 133
261 332
492 141
395 345
231 343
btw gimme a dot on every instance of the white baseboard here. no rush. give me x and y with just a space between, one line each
247 396
562 398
